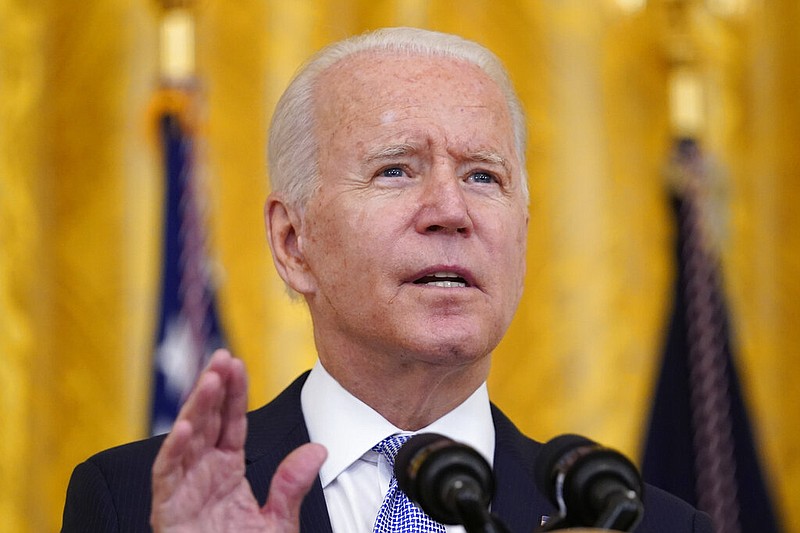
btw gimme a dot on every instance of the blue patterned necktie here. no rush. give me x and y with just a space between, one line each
398 514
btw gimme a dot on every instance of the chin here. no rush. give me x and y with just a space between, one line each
453 351
449 340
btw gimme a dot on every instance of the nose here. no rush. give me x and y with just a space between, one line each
443 206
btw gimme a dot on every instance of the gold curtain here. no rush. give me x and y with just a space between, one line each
80 197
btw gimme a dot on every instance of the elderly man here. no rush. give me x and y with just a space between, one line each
399 213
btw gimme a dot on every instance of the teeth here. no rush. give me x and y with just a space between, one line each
447 280
447 284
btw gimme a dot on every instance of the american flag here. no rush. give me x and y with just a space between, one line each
700 443
188 328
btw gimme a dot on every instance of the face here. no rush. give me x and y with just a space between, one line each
415 240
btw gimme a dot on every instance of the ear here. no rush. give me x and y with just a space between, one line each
284 233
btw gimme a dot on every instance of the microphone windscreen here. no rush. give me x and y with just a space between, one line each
411 457
553 451
591 485
439 474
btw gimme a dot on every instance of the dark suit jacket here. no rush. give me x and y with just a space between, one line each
110 492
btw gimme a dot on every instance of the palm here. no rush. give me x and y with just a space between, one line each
198 477
214 496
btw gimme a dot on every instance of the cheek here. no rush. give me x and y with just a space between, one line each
514 248
342 246
322 238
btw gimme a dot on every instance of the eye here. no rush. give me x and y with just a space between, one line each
392 172
481 177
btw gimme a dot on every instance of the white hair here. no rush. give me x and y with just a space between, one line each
293 149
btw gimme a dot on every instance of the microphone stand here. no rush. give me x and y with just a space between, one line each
473 514
622 512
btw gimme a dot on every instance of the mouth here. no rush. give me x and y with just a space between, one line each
444 279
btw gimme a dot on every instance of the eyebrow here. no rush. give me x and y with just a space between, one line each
492 158
404 149
393 150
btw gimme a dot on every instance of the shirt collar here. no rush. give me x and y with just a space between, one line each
349 428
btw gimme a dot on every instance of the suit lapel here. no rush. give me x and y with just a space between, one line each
517 501
273 432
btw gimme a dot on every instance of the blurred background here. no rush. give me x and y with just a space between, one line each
608 86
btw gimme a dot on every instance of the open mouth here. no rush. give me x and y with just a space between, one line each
447 280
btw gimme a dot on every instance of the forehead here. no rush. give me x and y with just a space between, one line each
382 89
381 66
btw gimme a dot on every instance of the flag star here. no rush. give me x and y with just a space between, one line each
175 358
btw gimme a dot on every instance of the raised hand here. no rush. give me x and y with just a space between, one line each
199 480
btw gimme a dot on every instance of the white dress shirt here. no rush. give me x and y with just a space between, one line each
354 478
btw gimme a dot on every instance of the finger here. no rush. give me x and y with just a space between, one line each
234 409
168 466
207 393
292 481
203 408
219 361
202 412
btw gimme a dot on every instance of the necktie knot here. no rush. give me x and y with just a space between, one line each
389 446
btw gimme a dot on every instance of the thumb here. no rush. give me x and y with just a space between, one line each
291 482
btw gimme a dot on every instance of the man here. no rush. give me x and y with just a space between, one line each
399 213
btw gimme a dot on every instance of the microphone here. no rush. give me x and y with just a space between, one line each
449 480
591 485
